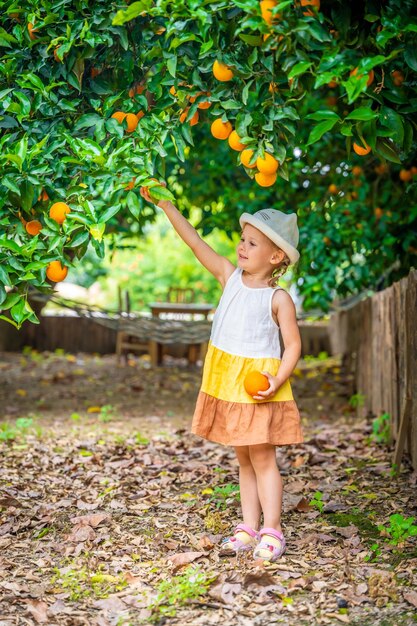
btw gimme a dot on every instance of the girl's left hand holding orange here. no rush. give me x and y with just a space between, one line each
274 384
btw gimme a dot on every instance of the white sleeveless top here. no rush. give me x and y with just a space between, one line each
243 324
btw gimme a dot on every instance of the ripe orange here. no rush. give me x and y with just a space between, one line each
173 91
371 76
312 3
273 88
327 241
406 175
266 11
193 121
357 170
378 212
94 72
397 78
413 170
265 180
204 105
245 157
136 89
58 212
222 71
221 130
234 141
56 272
119 116
332 84
139 115
132 121
255 381
32 30
267 164
361 150
333 189
33 227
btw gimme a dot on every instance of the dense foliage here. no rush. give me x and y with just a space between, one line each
301 90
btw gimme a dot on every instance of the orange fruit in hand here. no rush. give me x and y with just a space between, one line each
267 164
255 381
222 72
361 150
234 141
58 212
221 130
56 272
371 76
265 180
245 157
33 227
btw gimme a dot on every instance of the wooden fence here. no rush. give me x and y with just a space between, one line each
80 334
378 341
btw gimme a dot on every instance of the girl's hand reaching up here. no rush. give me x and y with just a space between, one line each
144 192
274 384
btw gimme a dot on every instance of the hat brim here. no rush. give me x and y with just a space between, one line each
292 253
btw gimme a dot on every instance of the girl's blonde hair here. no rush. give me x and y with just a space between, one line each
279 271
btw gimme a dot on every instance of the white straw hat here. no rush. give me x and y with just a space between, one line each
279 227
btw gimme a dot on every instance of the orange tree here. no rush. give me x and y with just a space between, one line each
96 100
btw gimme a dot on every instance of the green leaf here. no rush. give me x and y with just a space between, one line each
410 56
172 65
325 114
252 40
319 130
159 192
97 231
133 204
87 120
4 277
387 150
362 113
132 11
299 68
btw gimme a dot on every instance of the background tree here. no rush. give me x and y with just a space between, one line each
97 100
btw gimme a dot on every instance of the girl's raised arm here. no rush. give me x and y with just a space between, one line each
218 265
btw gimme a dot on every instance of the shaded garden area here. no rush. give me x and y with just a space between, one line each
112 513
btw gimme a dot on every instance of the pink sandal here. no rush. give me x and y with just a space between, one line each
275 551
233 545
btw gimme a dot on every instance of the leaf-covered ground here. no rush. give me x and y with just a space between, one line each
111 513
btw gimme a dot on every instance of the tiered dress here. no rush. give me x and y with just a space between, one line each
244 337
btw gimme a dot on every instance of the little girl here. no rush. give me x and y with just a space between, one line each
245 337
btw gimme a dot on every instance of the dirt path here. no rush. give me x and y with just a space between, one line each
111 513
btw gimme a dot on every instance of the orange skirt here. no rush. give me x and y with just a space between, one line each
226 414
238 424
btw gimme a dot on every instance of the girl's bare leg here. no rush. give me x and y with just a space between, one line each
251 506
269 485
